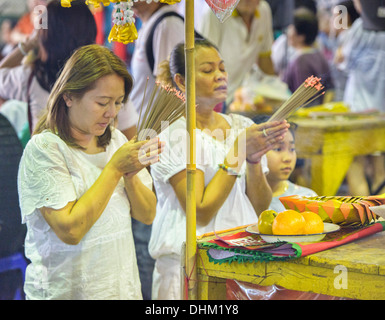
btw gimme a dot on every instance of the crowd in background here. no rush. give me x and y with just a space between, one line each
330 33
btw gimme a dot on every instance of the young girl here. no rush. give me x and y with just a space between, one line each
230 191
281 162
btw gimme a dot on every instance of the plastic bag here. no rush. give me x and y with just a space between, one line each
260 93
237 290
267 86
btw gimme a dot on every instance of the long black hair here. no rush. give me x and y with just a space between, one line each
68 29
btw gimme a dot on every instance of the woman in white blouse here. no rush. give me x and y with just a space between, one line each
80 182
231 186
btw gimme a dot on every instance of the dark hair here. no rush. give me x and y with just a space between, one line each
306 24
352 12
80 73
176 63
68 29
309 4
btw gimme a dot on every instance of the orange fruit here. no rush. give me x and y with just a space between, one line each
288 222
314 223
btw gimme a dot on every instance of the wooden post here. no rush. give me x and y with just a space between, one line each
191 165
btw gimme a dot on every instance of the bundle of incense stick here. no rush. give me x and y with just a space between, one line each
165 106
303 96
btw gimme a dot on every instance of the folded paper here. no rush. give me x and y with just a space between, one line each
242 246
344 211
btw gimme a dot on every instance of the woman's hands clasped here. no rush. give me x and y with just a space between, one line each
133 156
261 138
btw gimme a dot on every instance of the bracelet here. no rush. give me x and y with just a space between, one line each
253 162
20 46
229 170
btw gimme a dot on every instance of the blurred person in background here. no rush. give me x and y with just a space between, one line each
340 22
282 53
30 70
308 59
26 24
7 44
363 59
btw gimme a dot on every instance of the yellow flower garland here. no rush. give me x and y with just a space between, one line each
124 31
66 3
169 1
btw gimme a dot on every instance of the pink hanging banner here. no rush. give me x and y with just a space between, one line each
222 8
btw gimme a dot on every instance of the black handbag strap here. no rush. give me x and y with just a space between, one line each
149 41
29 102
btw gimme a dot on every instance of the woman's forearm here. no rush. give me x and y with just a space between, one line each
214 196
220 186
13 59
257 188
142 200
72 222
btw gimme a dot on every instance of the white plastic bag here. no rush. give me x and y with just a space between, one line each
267 86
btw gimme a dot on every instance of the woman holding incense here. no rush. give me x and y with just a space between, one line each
80 182
231 187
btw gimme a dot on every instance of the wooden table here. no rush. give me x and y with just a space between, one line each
332 144
359 266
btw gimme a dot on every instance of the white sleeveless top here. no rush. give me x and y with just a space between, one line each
169 226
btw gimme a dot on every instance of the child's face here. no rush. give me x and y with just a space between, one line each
282 160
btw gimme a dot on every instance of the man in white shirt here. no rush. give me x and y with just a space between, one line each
167 34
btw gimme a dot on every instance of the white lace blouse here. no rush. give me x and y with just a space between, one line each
103 265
